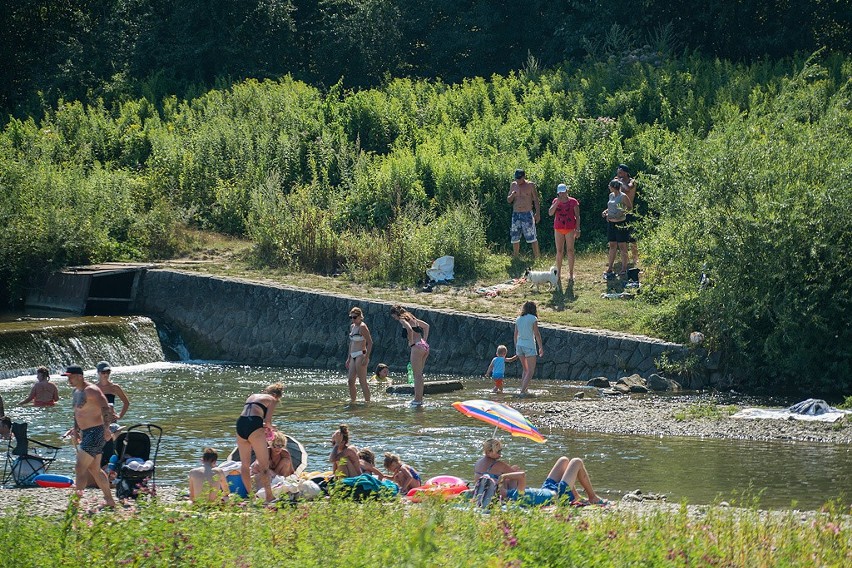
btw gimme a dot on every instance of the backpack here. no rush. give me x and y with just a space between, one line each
484 491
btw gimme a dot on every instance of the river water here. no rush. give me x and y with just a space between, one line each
196 404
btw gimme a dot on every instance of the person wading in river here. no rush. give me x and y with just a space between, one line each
92 413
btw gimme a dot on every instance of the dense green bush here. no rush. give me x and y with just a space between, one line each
759 201
740 167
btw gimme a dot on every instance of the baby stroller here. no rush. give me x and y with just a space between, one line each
135 467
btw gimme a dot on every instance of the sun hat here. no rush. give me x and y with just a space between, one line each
103 366
561 188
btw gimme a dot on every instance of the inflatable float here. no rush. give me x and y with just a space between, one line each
52 480
446 486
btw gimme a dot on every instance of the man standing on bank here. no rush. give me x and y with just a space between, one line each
523 196
91 415
628 186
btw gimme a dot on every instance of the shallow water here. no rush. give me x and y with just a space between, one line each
196 404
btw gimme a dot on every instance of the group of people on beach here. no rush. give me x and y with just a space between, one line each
565 210
95 421
256 435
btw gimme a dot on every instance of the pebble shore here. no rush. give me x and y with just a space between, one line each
646 416
653 416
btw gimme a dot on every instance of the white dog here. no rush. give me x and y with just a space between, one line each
539 277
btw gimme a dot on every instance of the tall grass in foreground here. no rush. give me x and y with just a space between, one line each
340 533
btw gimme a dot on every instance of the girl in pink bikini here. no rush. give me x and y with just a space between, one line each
416 332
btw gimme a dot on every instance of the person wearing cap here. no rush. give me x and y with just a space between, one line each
523 196
628 186
565 211
111 390
43 393
91 416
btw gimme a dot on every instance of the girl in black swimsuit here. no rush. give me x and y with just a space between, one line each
252 426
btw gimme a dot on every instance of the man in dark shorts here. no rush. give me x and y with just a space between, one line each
628 186
91 414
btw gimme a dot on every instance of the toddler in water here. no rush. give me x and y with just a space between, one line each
497 367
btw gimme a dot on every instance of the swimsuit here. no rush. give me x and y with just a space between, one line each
92 440
488 473
355 335
413 473
421 342
110 397
246 425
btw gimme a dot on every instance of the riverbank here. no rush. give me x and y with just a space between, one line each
702 416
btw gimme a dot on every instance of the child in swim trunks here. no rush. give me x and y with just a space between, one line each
497 367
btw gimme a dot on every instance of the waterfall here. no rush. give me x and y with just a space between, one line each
28 344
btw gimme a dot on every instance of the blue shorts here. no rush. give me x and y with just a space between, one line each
560 488
523 223
522 350
532 496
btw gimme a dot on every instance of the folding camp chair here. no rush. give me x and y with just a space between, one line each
26 458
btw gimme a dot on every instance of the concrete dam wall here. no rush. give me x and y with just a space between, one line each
266 324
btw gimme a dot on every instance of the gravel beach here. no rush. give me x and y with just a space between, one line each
637 415
656 416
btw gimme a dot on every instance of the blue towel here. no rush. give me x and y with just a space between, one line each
367 482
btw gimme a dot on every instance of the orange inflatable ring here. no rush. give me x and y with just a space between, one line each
447 491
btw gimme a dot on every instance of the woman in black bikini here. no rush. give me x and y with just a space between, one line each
111 390
252 426
358 356
416 332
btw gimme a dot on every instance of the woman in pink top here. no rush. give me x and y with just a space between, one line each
566 227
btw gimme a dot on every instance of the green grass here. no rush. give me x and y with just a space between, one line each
699 410
580 306
342 533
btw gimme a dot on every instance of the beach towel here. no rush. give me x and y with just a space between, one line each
496 289
812 410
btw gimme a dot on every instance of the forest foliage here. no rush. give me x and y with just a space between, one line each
111 49
742 168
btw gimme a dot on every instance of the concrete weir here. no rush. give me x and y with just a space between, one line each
268 324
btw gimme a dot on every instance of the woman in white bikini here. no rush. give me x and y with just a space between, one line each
358 357
416 331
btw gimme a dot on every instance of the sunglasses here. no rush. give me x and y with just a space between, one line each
354 317
279 446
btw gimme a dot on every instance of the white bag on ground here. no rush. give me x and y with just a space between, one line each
442 269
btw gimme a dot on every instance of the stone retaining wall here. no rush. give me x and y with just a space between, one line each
264 324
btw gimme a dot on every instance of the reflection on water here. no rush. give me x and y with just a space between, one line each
197 406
